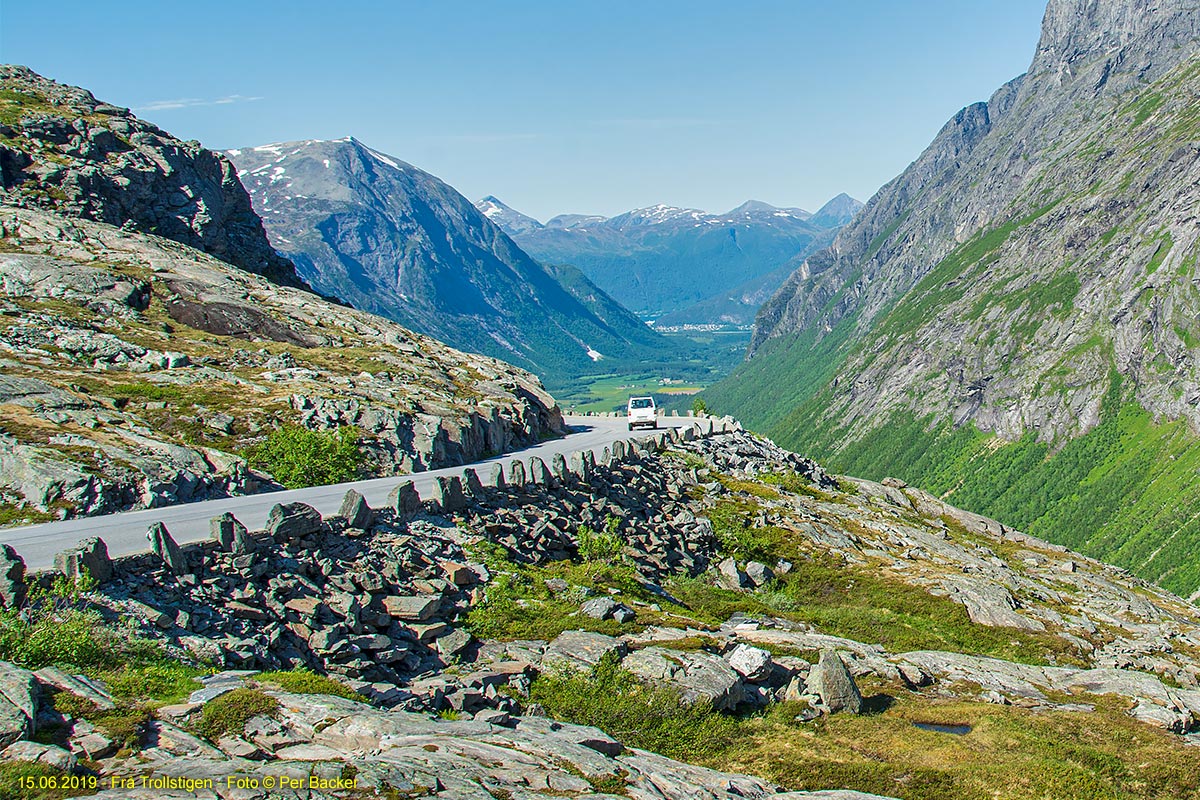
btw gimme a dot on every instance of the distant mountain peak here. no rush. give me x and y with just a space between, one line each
508 219
838 211
759 210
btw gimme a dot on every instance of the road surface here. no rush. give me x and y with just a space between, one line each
125 533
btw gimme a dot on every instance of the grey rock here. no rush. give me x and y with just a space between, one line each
412 608
471 483
988 603
752 663
581 649
516 473
355 511
558 467
18 703
89 557
37 753
165 547
287 522
447 495
731 576
700 677
496 477
454 643
833 683
404 499
12 578
230 534
78 685
598 607
759 574
623 614
539 473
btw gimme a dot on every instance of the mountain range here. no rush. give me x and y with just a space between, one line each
389 238
734 260
1013 320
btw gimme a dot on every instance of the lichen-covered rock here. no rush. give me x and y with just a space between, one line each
833 683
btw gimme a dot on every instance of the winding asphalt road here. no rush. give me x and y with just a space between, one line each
125 533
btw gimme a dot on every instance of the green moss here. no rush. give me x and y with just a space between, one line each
229 713
1143 107
298 457
304 681
164 682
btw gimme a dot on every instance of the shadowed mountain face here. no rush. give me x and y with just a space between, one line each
733 261
389 238
1022 301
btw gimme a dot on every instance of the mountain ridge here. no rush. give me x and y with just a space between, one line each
636 255
390 238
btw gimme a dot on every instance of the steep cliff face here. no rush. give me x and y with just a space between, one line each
63 150
1032 275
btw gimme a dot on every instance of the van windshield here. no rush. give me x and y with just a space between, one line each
641 402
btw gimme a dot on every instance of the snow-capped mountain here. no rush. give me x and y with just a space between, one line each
510 221
691 265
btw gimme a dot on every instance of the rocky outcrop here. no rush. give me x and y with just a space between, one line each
112 398
81 157
318 746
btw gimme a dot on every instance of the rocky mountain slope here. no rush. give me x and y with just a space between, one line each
1029 280
63 150
728 604
638 257
137 371
391 239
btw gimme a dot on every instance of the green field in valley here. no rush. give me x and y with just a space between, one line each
702 359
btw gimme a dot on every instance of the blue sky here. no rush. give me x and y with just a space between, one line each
555 107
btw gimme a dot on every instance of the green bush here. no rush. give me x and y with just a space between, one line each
699 406
230 712
305 681
600 546
298 457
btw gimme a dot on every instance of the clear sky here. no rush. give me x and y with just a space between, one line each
554 107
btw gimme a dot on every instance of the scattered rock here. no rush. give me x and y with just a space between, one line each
355 511
833 683
287 522
165 547
752 663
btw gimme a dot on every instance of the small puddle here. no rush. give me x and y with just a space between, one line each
957 730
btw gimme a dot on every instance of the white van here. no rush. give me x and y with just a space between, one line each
642 412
